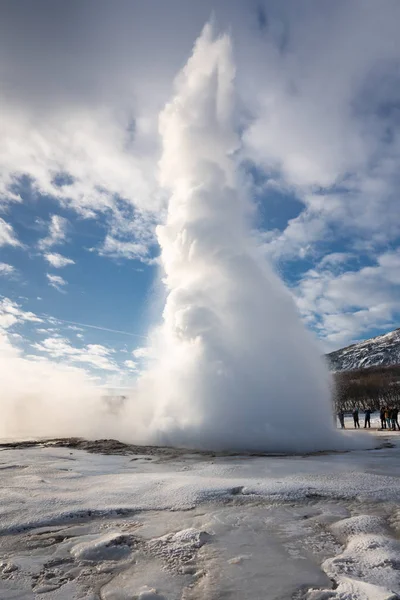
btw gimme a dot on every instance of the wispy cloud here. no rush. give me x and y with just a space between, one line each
11 313
142 352
57 232
343 306
57 282
334 259
99 327
348 186
58 261
131 235
7 234
130 364
6 269
94 355
117 248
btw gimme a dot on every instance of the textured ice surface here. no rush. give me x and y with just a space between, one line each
371 556
111 546
84 526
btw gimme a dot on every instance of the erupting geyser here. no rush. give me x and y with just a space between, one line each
231 366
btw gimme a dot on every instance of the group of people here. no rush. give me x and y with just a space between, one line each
389 418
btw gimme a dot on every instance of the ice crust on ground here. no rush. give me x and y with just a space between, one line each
369 566
111 485
111 546
98 527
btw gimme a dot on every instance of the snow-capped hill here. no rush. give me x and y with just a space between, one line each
383 350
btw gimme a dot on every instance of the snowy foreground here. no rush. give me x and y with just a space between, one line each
80 525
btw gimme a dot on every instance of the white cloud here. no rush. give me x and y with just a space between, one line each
314 85
7 234
131 235
320 91
297 239
6 269
343 306
130 364
11 314
93 143
94 355
325 122
142 352
57 233
303 99
56 281
334 259
91 326
91 146
58 261
122 249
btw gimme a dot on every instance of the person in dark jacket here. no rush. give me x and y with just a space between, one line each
395 419
355 419
382 418
367 420
341 419
392 426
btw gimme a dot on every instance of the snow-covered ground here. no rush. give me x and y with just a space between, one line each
76 525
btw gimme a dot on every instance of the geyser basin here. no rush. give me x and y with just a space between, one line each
231 366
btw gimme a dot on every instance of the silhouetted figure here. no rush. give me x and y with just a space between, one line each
387 418
382 418
355 419
367 420
390 412
341 419
395 419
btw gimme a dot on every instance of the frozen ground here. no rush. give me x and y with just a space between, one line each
168 525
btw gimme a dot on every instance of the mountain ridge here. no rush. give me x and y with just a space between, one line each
381 350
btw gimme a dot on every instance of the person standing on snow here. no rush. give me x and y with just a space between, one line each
341 419
355 419
395 419
367 420
382 418
387 418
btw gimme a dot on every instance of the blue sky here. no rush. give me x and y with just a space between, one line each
318 110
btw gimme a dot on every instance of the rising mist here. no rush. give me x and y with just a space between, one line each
231 365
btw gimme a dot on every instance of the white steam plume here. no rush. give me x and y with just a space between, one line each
231 365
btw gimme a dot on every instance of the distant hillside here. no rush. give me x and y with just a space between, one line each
382 350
